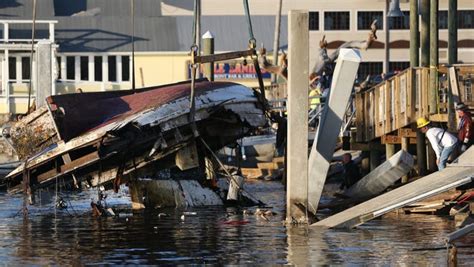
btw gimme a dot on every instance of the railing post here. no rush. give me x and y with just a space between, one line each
5 32
51 32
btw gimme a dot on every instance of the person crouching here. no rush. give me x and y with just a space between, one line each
443 143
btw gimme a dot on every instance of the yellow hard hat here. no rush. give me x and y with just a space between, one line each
422 122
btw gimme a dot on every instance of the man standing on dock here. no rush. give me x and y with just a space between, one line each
443 143
465 127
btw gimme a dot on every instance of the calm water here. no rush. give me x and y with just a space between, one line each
212 236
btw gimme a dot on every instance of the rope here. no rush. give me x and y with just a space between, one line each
31 55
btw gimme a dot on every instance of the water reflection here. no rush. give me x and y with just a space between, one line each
212 236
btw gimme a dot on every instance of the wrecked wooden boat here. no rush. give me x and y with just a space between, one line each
111 138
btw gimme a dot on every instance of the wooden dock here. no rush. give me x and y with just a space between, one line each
385 109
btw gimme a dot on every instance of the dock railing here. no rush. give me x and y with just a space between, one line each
400 100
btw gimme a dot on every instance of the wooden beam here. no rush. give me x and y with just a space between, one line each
406 132
395 139
439 117
224 56
69 167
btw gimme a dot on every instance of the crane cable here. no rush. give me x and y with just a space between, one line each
194 53
253 45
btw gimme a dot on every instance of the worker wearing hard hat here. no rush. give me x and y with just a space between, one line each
443 143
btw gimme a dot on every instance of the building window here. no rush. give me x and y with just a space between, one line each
365 19
398 66
373 69
313 21
400 23
84 68
442 19
70 68
25 68
68 8
125 68
336 21
466 19
12 68
98 68
112 68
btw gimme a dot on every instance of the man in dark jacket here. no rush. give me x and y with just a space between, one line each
351 171
465 127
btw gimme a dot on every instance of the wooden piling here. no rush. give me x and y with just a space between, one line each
433 92
453 256
208 49
297 144
414 34
452 59
425 32
405 143
375 158
415 62
389 150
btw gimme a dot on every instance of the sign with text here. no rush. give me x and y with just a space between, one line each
231 70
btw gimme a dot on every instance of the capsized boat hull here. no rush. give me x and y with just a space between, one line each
122 136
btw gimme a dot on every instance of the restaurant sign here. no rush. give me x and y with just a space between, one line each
231 70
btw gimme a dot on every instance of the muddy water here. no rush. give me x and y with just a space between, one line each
212 236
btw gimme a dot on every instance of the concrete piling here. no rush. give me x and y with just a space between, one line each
44 76
297 144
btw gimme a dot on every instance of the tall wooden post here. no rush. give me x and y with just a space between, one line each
414 35
452 57
405 143
433 88
452 32
297 144
425 40
387 39
208 49
415 62
425 32
389 151
375 158
433 92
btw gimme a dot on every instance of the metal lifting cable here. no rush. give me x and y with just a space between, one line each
132 10
249 21
253 45
31 55
194 53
